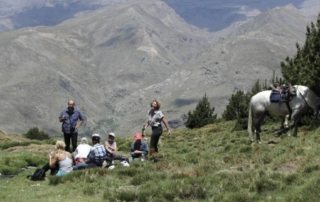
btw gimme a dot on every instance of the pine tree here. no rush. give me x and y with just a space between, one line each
202 115
304 67
238 105
237 108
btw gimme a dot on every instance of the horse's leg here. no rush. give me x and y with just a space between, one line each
295 117
257 125
252 135
284 125
295 126
286 120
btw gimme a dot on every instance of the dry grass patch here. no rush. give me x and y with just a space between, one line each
32 148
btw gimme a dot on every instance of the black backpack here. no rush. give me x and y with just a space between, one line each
38 175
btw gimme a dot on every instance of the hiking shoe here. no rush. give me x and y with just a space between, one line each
111 167
125 163
104 164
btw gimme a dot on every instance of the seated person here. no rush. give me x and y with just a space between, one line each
96 155
82 151
139 148
111 149
61 158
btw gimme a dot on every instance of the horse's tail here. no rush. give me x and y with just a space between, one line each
250 129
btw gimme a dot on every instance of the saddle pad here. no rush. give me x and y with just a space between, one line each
275 96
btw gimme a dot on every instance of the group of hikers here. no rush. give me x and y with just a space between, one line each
64 160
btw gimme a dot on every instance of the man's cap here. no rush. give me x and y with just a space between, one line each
112 134
95 135
137 136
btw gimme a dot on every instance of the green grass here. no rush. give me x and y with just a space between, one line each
208 164
13 163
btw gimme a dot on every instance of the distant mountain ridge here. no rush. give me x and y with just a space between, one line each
213 15
113 61
29 13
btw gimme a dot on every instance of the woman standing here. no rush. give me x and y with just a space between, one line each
155 120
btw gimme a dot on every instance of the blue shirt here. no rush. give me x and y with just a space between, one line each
71 119
97 154
143 148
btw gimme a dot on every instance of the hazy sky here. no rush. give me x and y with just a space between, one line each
212 15
217 14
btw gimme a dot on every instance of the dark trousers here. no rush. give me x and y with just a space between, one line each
53 171
136 156
74 138
156 133
112 157
82 166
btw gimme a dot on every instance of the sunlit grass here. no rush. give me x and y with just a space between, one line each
213 163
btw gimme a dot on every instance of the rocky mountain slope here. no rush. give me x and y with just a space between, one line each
99 59
113 61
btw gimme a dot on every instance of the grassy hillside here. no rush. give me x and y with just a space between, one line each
208 164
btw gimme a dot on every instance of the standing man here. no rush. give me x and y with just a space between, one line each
71 120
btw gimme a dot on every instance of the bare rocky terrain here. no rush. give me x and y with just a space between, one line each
114 60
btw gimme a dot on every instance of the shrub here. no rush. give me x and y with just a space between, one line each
55 180
202 115
308 192
90 190
12 165
311 168
237 107
291 179
264 184
239 197
36 134
6 145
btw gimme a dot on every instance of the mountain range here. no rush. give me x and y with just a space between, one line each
114 59
28 13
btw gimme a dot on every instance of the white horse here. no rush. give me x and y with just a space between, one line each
260 106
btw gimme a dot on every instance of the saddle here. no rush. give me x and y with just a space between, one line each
283 95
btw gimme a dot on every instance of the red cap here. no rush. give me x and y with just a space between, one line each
137 136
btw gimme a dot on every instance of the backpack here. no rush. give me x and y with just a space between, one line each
38 175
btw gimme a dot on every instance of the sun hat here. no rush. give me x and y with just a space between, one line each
84 140
112 134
